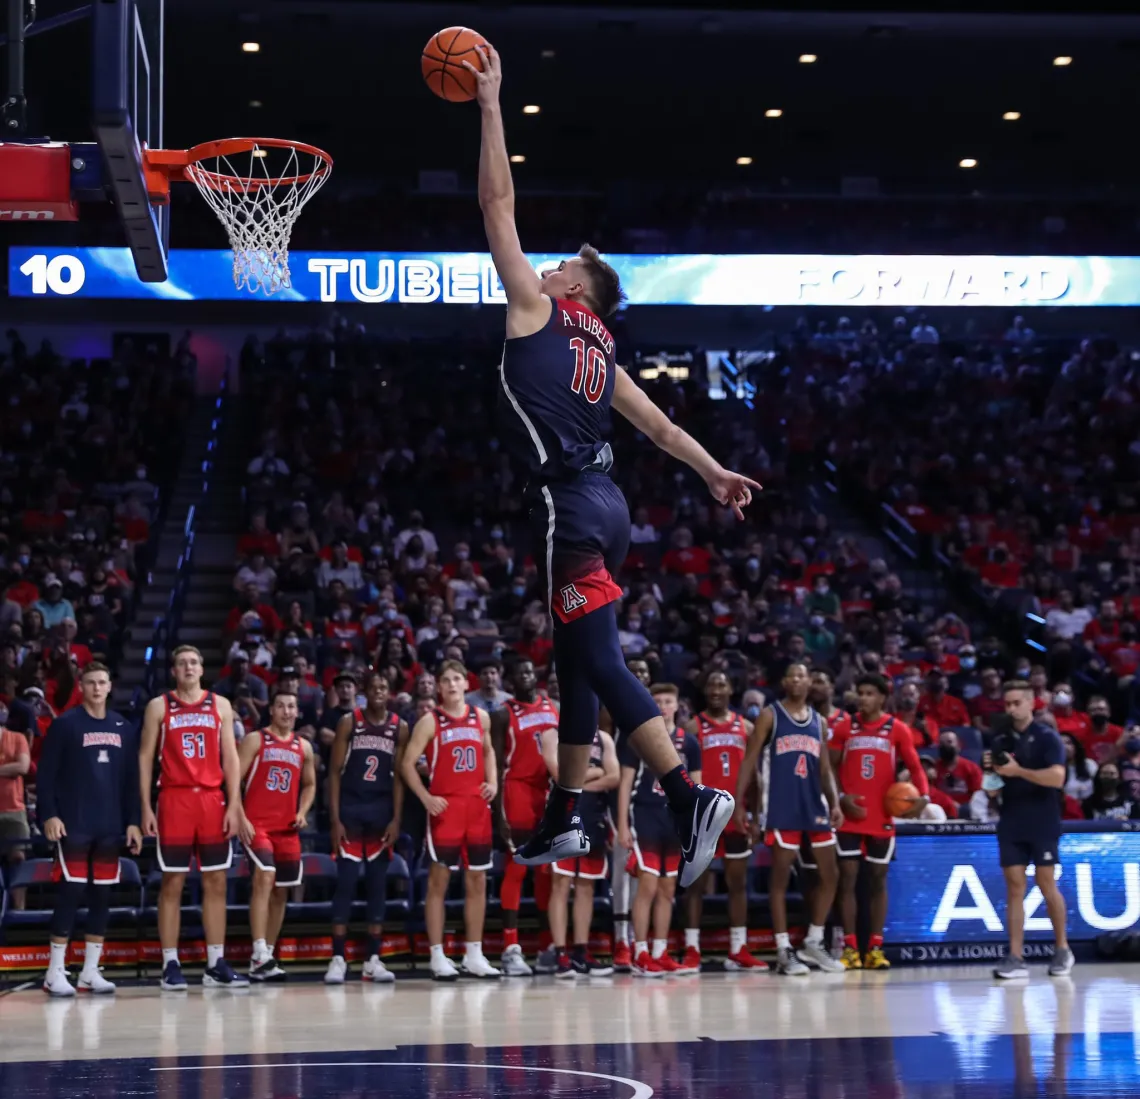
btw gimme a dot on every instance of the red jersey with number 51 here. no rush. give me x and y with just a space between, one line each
722 750
273 784
526 722
455 754
867 768
190 743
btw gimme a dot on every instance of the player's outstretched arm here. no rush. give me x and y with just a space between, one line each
731 489
497 196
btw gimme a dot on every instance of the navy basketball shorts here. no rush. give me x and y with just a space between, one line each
1040 853
364 827
656 848
580 537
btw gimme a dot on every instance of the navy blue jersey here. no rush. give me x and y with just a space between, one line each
795 793
647 790
88 774
555 389
369 763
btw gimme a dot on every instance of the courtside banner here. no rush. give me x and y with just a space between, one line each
469 278
947 893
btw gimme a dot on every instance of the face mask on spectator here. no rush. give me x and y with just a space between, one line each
520 590
947 752
461 555
816 620
752 712
1132 745
1099 720
633 625
24 559
968 663
391 613
1022 671
343 614
496 534
377 550
1063 698
731 640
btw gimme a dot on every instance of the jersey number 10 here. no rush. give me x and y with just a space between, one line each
589 370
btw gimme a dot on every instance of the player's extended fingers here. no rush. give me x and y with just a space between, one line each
753 484
736 510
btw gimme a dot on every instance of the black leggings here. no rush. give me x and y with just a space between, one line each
376 882
71 894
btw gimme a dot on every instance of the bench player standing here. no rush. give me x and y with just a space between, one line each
366 804
723 737
518 729
865 754
280 783
645 829
457 740
799 779
87 797
581 873
558 379
192 733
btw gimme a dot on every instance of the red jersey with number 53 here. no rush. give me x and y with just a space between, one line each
722 750
867 768
273 784
526 722
190 743
455 754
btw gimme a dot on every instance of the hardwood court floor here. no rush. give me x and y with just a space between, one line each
875 1035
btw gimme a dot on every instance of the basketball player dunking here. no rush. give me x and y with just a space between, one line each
280 785
799 779
558 380
524 733
457 740
192 733
366 804
723 736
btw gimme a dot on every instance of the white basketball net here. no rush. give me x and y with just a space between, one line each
258 195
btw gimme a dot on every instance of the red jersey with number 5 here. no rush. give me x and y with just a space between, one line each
190 743
867 768
526 722
455 754
722 750
273 784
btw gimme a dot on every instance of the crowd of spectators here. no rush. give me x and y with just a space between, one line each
86 449
386 530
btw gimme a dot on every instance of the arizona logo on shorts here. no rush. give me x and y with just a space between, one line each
572 599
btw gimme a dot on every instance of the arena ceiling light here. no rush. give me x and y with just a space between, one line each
518 158
744 161
773 112
251 47
1011 116
967 162
548 54
1062 61
531 108
808 58
255 103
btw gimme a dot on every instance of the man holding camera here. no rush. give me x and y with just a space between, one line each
1028 759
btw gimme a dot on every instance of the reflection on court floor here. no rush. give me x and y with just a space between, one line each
932 1032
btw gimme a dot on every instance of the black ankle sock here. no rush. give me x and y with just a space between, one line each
679 789
563 804
579 952
373 946
338 946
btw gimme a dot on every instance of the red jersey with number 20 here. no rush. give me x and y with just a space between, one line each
273 785
722 750
867 768
526 722
455 754
190 743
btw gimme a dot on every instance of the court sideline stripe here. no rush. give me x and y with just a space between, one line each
639 1089
19 988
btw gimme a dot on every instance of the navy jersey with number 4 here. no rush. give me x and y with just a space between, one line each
795 792
555 389
368 763
647 792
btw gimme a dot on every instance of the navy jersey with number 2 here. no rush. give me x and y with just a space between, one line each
795 792
555 390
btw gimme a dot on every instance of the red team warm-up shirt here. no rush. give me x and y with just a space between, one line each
273 785
867 767
526 722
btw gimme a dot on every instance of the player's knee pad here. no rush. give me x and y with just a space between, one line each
347 873
67 901
511 890
376 883
98 908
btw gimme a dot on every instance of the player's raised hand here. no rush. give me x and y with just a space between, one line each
134 839
733 490
489 78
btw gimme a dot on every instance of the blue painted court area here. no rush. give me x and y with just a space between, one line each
1077 1064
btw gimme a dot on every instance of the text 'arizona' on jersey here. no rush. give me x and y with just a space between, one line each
556 386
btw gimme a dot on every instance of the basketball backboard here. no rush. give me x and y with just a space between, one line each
127 113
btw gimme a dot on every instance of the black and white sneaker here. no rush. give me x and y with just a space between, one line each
222 975
551 842
590 967
700 829
267 970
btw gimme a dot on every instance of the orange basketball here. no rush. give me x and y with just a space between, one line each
897 802
442 63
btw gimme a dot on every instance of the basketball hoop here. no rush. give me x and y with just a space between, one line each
257 187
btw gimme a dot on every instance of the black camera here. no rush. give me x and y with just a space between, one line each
1000 757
